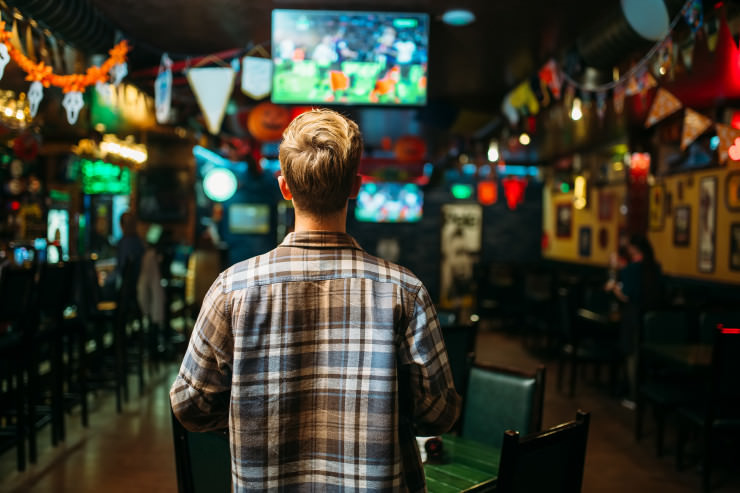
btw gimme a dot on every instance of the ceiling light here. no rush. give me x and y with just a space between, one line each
458 17
524 139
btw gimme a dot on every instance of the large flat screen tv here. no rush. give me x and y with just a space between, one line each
385 202
344 57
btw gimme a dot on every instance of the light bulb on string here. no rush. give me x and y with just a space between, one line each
576 111
524 139
493 154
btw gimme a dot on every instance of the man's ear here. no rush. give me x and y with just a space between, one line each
287 195
355 187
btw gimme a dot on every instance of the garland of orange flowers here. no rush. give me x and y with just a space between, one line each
68 83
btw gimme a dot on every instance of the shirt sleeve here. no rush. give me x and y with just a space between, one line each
436 404
201 392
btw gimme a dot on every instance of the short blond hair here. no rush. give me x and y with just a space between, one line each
319 158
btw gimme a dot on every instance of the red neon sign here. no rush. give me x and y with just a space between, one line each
727 330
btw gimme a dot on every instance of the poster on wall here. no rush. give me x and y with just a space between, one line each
584 241
606 205
563 220
732 192
707 223
682 226
735 246
461 244
657 207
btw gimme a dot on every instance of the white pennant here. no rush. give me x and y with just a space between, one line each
212 87
35 95
163 90
256 76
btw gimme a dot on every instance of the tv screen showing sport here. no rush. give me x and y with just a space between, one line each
357 58
389 202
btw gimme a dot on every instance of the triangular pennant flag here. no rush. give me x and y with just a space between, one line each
633 86
694 124
727 136
664 104
212 87
256 76
550 75
647 82
619 93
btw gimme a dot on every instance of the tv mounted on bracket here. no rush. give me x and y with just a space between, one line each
351 58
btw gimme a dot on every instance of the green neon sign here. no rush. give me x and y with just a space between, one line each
99 177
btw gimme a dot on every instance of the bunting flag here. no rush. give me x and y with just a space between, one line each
550 75
256 76
601 105
727 136
647 82
619 93
694 15
664 104
212 87
694 124
163 90
633 86
523 97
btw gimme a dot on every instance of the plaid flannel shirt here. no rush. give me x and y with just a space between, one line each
324 362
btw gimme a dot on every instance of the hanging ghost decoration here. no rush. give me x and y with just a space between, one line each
73 103
35 95
105 91
4 58
163 90
118 72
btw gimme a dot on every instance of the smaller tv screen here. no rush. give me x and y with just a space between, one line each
334 57
389 202
57 227
249 218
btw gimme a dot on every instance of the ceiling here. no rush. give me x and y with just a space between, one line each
469 67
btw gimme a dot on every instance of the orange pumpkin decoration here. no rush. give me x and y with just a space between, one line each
410 148
267 121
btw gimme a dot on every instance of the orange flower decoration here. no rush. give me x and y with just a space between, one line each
39 72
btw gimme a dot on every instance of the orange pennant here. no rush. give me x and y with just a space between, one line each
664 104
694 124
727 136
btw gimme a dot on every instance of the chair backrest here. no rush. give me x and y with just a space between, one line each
16 289
500 399
202 460
665 327
551 460
460 346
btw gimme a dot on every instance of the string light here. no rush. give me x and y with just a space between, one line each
493 154
576 112
524 139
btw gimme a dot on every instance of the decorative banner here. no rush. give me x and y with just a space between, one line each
487 192
550 75
601 105
514 188
73 103
461 245
727 140
35 95
509 111
163 90
633 86
619 93
256 76
694 124
212 87
647 82
522 97
694 15
4 59
664 104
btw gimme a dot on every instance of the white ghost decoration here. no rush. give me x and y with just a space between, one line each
105 91
4 58
35 95
118 72
73 103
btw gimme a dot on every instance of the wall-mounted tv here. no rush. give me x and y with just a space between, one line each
389 202
344 57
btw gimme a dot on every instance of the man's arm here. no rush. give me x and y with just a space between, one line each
201 391
436 404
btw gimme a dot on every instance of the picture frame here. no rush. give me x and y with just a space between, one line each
564 220
656 207
584 241
732 191
735 246
682 226
706 224
606 205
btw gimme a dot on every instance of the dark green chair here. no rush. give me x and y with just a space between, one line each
660 387
551 460
460 346
202 460
500 399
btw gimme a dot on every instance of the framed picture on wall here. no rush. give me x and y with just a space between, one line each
682 226
732 191
735 246
564 220
657 207
606 205
707 223
584 241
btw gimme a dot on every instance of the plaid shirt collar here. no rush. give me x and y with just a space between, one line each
320 239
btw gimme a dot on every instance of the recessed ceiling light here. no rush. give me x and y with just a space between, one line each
458 17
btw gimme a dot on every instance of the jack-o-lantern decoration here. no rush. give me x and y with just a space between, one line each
410 148
267 121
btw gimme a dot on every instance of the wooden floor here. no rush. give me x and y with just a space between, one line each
132 452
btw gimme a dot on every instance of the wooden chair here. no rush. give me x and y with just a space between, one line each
551 460
500 399
716 412
660 387
202 460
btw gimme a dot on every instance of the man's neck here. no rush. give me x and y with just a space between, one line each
308 222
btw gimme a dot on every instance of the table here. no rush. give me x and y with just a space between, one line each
466 465
691 356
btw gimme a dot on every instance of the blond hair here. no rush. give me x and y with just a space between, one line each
319 158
